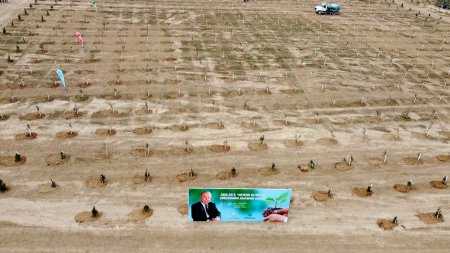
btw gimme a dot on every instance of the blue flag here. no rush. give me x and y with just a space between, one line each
61 76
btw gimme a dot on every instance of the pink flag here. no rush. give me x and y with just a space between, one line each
79 38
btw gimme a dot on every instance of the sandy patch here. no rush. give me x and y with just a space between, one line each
87 217
105 132
256 146
142 130
139 214
225 175
214 125
43 99
438 184
303 167
4 117
138 180
32 116
268 171
430 218
386 224
95 183
327 141
183 209
293 143
79 98
143 111
404 188
219 148
66 135
106 113
179 128
26 136
412 161
55 159
343 166
183 177
443 158
143 152
10 161
47 188
248 125
322 196
72 115
361 192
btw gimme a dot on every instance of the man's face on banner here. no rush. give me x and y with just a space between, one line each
206 197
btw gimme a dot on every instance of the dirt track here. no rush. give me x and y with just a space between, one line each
371 80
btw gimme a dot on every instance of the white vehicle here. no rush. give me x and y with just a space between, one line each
328 8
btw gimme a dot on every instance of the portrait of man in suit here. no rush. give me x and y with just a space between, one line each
205 210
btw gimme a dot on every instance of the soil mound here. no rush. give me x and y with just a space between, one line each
342 166
412 161
4 117
386 224
143 111
404 188
258 146
322 196
26 136
102 156
182 150
268 171
183 209
32 116
293 143
47 188
72 115
443 158
282 123
361 192
84 85
219 148
142 130
139 214
143 152
375 161
79 98
183 177
11 161
248 125
140 180
179 128
438 185
106 113
55 159
303 167
214 125
327 141
430 218
225 175
66 135
210 109
43 99
87 217
95 183
105 132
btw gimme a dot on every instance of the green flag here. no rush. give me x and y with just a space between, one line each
94 6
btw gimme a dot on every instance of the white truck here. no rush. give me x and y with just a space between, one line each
327 8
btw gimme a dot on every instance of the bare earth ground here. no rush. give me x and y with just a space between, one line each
371 80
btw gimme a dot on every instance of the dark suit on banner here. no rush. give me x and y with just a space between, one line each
198 211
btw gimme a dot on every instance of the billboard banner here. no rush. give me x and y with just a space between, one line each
239 204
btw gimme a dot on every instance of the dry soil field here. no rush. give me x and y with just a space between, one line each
363 94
